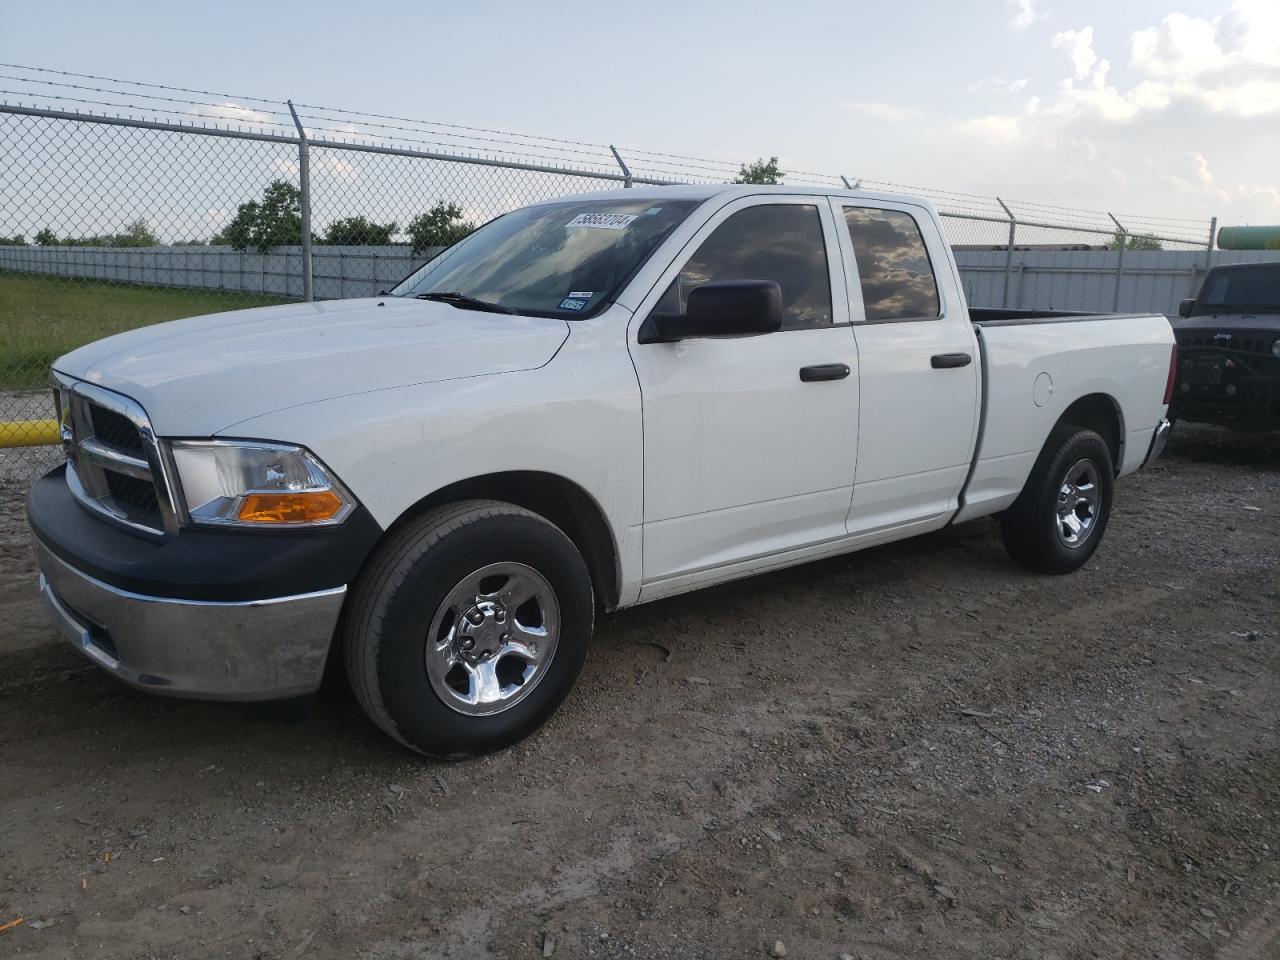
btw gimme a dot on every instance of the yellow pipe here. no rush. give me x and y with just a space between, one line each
29 433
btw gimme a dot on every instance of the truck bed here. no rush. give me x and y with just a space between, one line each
1037 362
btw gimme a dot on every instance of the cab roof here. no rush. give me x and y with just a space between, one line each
706 191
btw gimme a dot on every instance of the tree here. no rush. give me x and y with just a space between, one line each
441 226
17 240
136 234
239 232
280 217
275 222
1135 241
358 231
760 172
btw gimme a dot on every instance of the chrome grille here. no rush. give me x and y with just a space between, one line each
114 464
116 431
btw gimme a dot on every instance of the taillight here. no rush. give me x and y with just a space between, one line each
1173 371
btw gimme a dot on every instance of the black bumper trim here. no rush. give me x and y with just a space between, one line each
199 563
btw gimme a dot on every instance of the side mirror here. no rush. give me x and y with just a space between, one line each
1184 308
724 308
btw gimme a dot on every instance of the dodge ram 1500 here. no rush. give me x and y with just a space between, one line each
586 404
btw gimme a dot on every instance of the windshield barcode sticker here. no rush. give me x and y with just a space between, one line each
602 221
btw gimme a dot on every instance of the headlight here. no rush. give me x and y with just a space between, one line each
1275 347
257 484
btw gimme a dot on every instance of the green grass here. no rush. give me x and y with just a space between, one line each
42 318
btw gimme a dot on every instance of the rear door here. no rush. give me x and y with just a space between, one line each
750 442
920 375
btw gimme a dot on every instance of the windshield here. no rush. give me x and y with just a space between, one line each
1252 289
558 259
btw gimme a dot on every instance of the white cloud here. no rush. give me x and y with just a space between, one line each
1248 193
879 111
1182 47
1229 64
998 83
285 167
328 164
233 113
1079 47
336 166
993 127
1115 128
1025 14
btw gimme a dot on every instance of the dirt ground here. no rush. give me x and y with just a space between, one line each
918 751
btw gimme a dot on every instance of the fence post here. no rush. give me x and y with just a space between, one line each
1208 251
304 196
1123 236
1008 256
626 174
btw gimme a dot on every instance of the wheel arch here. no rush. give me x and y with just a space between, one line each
1099 412
559 500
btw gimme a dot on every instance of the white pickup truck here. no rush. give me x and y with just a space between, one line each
584 405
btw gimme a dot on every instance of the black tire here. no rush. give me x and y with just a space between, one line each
1032 530
392 608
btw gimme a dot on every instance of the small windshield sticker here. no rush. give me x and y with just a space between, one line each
573 303
582 295
652 210
602 221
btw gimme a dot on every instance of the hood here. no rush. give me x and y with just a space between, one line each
202 375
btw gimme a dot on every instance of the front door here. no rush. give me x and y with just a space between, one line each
743 458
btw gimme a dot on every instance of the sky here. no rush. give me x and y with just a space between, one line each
1153 107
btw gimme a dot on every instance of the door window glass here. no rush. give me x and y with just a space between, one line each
778 242
893 265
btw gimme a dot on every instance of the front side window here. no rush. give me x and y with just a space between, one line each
893 265
778 242
557 259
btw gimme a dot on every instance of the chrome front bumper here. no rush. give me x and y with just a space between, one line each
217 650
1158 440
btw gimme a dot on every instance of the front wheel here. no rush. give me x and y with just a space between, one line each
468 628
1058 520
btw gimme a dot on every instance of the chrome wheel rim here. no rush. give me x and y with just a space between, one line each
1079 499
493 638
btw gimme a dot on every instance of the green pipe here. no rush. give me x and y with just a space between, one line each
1249 238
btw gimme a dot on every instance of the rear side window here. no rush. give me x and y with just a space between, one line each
893 265
778 242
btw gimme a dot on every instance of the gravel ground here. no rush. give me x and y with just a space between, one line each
918 751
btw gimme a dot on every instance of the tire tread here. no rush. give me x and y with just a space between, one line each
1024 536
390 568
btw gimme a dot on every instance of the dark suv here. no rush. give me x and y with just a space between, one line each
1229 349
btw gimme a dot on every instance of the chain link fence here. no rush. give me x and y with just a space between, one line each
108 223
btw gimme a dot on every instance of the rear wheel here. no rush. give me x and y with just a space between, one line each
1058 520
469 628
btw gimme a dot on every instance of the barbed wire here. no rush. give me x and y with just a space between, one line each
136 83
146 96
507 144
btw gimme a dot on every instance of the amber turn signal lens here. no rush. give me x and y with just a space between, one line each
307 507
